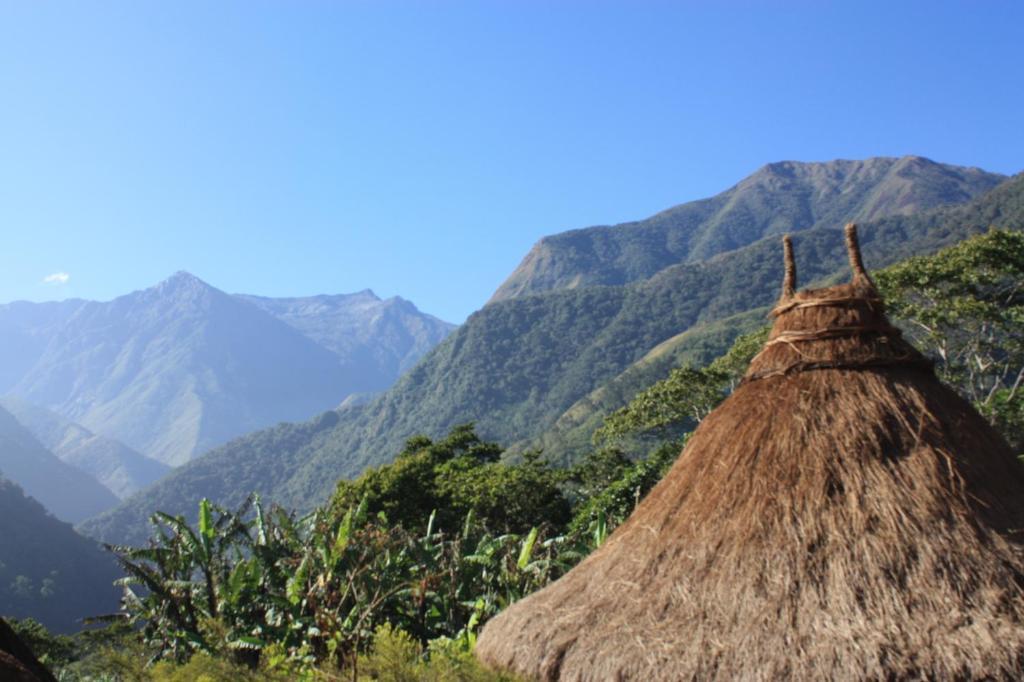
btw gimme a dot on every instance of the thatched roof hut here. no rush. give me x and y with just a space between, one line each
17 663
842 515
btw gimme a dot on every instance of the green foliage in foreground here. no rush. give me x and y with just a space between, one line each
393 656
424 550
603 507
398 657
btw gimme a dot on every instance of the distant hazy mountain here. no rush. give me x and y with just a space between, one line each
120 469
47 570
181 367
68 493
376 340
25 331
781 197
518 367
178 368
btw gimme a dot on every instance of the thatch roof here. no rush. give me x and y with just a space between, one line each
842 515
17 663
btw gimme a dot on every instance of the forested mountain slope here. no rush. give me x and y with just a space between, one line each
517 365
781 197
570 435
47 570
120 469
67 492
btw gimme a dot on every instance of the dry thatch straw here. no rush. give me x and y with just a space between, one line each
843 515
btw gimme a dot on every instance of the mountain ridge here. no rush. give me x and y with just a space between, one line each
120 469
517 365
784 196
171 371
388 335
67 492
179 367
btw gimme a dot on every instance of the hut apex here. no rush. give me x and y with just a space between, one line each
842 515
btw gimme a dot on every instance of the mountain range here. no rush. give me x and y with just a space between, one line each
120 469
529 367
68 493
376 340
781 197
176 369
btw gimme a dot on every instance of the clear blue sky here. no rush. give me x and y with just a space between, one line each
419 149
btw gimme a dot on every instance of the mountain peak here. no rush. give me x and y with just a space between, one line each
182 276
789 167
183 282
362 296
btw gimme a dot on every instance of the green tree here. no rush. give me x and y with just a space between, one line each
52 650
964 306
454 476
610 501
190 579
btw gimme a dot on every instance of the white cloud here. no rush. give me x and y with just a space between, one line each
57 278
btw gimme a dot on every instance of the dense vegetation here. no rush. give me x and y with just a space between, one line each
518 366
404 563
965 307
411 556
46 569
570 437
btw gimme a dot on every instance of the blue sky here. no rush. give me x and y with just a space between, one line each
421 148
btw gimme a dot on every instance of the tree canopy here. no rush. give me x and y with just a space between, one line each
965 307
